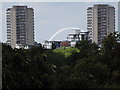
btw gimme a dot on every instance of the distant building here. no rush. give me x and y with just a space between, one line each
100 22
70 42
51 44
47 44
20 26
65 44
77 36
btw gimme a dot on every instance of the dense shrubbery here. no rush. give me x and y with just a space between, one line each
84 66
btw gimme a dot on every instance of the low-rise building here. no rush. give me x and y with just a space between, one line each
72 38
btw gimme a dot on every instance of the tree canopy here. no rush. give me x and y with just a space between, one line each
84 66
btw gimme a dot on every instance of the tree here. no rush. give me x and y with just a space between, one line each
110 51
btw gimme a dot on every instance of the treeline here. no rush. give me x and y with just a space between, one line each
85 66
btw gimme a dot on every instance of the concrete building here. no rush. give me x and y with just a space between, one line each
78 35
49 44
100 22
20 26
71 41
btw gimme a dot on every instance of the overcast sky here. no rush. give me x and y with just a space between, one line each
49 17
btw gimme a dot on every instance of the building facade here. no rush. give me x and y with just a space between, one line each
71 41
100 22
20 26
78 35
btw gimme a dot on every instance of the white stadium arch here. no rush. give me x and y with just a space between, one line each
61 30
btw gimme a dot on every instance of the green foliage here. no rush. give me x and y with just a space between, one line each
84 66
87 49
25 68
67 51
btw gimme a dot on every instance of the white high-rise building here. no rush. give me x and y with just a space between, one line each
20 26
100 22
